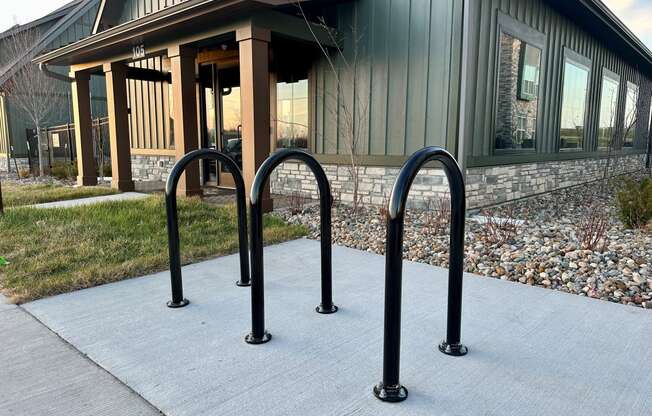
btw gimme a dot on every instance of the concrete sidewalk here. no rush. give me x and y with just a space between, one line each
125 196
40 374
532 351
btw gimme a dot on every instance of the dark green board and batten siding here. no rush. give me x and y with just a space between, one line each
560 33
404 88
135 9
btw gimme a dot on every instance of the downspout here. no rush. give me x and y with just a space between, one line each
44 68
461 115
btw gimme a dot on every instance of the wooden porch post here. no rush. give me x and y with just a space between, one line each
184 98
87 171
116 98
255 105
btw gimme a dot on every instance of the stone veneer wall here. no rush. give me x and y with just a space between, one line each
151 168
485 186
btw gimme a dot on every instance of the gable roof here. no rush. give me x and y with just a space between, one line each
56 14
70 12
166 22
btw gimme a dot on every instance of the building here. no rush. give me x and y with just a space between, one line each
530 95
63 26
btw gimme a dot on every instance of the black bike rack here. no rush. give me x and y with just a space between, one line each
390 389
178 300
258 334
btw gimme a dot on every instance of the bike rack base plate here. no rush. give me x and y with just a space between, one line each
250 339
176 305
455 350
392 394
325 311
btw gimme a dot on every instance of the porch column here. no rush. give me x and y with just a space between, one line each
184 99
116 98
81 103
255 106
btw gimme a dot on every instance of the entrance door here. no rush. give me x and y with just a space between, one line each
208 79
231 133
221 119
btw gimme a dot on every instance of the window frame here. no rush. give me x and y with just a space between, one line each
649 124
581 61
525 33
613 76
624 117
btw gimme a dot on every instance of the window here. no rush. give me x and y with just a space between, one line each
573 103
292 114
608 109
649 123
630 115
519 75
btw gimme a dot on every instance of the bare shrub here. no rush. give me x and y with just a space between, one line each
438 214
591 230
501 229
383 209
24 173
336 199
296 202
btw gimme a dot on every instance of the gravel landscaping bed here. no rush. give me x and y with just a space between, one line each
543 250
33 180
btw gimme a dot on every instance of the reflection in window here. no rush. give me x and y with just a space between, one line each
518 93
292 114
649 123
630 114
608 111
573 105
171 117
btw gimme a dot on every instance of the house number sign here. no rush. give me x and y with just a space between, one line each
138 51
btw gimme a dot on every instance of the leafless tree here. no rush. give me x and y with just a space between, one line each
37 95
352 116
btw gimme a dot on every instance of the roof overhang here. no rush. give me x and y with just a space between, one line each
180 23
595 17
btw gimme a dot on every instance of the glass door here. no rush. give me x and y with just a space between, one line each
231 133
230 137
208 80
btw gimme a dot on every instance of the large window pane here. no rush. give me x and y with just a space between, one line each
630 114
292 114
608 111
518 94
573 105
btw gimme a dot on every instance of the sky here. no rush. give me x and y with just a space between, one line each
23 11
637 14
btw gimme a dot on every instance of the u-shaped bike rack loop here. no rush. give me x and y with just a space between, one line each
178 300
258 334
390 389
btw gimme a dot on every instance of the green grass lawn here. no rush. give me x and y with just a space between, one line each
15 195
60 250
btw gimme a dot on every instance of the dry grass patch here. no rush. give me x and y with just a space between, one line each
61 250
